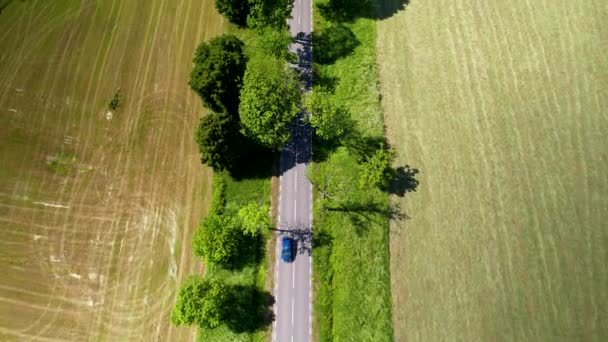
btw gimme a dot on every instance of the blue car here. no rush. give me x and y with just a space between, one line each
288 248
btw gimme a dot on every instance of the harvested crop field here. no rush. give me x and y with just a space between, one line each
502 106
97 206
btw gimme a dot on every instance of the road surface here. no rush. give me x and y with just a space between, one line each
293 284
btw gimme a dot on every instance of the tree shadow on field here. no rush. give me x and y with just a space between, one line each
404 181
349 10
333 43
362 214
321 239
5 3
304 57
248 309
363 146
323 80
324 148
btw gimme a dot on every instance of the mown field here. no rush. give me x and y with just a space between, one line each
502 106
97 208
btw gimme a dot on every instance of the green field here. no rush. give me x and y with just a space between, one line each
503 107
97 206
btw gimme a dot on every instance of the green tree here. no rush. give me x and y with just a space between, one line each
269 13
217 239
276 42
329 119
217 75
218 139
236 11
269 101
200 301
377 170
254 218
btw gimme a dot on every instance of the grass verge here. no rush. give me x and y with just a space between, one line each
351 260
231 193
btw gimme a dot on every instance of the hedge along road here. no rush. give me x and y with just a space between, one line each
293 290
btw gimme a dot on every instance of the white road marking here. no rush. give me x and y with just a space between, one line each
292 309
293 277
295 210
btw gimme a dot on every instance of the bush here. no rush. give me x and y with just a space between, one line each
115 101
377 170
217 239
201 302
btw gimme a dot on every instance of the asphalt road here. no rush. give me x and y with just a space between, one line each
293 282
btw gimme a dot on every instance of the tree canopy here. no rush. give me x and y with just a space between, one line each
236 11
217 75
200 301
276 42
329 119
217 239
377 170
218 140
269 101
254 218
269 13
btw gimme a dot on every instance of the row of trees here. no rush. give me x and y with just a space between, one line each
256 13
252 100
255 100
228 238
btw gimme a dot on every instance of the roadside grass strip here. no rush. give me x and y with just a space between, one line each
352 299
